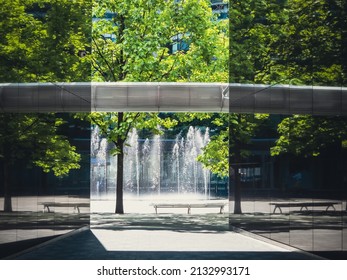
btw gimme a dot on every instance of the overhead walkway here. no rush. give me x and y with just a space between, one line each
172 97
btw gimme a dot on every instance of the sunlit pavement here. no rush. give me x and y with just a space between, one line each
89 245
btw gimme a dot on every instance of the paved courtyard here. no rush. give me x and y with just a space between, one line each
203 234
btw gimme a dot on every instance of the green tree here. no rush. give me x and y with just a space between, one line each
288 41
294 42
40 41
249 39
310 46
312 51
34 138
255 28
143 40
310 135
152 40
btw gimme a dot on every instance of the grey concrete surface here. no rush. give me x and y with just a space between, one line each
204 234
168 236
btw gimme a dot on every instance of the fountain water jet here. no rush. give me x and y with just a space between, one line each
98 163
152 166
131 163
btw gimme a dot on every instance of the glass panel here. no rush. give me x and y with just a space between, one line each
308 174
344 230
41 51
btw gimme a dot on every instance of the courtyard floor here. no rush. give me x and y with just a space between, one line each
203 234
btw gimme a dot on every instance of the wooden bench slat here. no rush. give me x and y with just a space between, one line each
189 206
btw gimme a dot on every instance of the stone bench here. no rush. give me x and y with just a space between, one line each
75 205
303 205
189 206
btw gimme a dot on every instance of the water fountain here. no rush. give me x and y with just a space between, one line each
98 163
192 175
132 164
153 165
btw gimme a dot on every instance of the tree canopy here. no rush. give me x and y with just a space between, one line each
288 42
40 40
311 50
309 136
146 40
36 137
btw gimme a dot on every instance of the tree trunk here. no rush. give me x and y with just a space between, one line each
233 165
120 171
7 188
119 190
237 192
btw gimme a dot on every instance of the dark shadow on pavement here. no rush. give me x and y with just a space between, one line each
8 249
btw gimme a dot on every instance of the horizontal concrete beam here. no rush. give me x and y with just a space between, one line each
172 97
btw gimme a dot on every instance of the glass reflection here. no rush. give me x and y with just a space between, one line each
40 204
308 214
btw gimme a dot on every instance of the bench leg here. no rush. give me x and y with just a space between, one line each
329 207
279 208
156 209
77 208
189 209
48 209
221 210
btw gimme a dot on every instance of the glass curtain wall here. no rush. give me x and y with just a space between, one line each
44 157
291 43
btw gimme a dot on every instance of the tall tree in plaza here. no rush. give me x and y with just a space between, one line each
40 42
146 40
316 55
248 56
253 26
33 139
271 42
